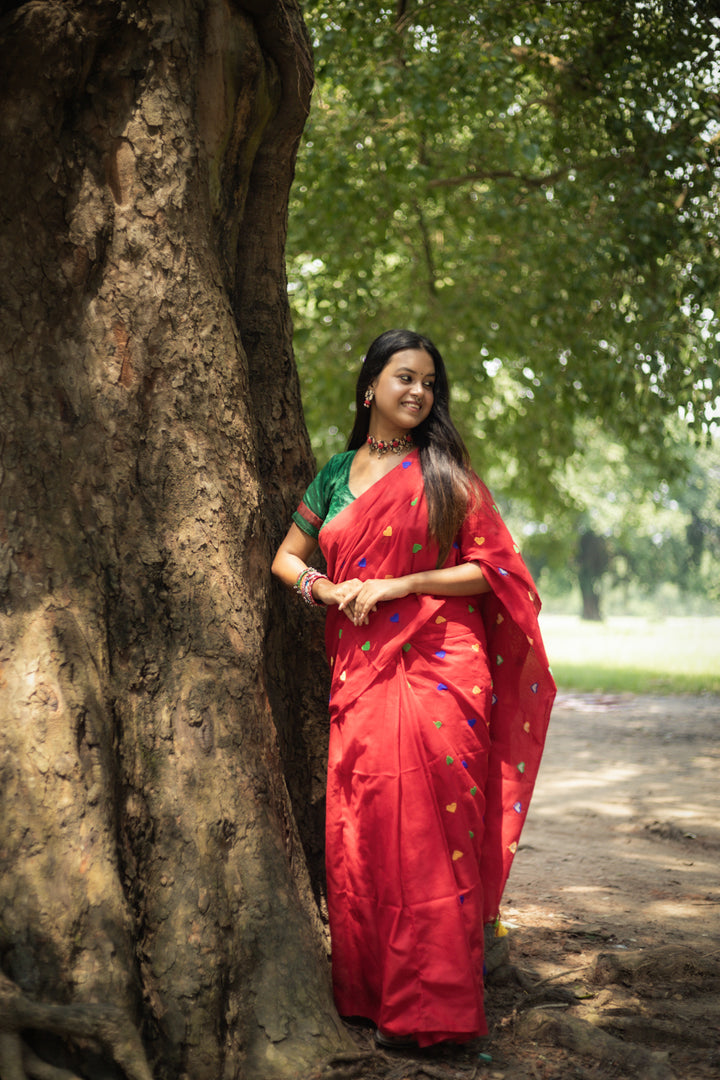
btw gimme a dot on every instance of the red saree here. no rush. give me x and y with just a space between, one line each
438 713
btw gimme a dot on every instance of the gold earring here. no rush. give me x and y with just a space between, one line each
369 395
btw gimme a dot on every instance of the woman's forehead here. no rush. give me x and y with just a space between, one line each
416 361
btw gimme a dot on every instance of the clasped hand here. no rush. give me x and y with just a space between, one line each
359 598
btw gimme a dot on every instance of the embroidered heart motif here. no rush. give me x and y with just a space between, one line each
477 690
457 855
388 531
362 562
479 540
476 647
513 847
530 639
406 464
395 617
521 766
441 686
407 647
471 834
526 726
414 501
516 548
534 688
532 596
472 721
449 760
499 659
343 677
438 724
451 807
440 654
473 790
365 647
500 618
340 632
517 807
416 548
440 620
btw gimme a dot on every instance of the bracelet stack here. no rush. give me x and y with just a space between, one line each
305 582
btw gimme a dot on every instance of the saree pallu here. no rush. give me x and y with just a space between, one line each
438 713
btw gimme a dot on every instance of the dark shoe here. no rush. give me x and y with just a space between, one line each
394 1042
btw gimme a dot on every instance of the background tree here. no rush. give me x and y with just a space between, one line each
534 185
151 450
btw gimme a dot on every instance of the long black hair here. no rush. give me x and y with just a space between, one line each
444 459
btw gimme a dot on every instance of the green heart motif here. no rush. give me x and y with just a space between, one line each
470 608
473 790
416 548
438 724
499 659
449 760
471 834
365 647
407 647
414 502
340 632
521 767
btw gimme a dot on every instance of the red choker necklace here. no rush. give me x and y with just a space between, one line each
394 446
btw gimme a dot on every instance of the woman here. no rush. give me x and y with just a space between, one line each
439 703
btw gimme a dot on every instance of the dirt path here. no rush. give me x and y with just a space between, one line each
613 906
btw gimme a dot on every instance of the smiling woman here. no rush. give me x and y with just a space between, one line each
439 702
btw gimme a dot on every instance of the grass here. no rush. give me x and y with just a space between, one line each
632 654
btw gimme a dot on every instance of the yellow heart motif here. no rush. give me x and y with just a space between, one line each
451 807
477 690
526 726
388 531
479 540
513 847
343 677
457 855
476 647
440 619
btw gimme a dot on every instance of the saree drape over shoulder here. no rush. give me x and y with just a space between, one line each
438 712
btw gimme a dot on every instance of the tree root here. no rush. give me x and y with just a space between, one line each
583 1037
670 964
105 1024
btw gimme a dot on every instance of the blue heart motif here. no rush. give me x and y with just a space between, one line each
395 617
472 721
363 561
441 686
406 464
440 654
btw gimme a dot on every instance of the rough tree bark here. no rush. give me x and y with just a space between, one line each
152 880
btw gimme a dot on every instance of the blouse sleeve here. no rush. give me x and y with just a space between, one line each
313 508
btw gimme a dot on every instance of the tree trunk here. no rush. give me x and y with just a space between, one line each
156 689
592 562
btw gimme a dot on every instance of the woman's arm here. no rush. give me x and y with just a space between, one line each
292 558
466 579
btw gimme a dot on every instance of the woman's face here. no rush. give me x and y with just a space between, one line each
404 390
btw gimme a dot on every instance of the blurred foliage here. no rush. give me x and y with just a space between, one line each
653 530
534 185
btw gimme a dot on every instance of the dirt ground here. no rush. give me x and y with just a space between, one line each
611 968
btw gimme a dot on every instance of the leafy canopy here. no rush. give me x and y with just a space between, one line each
531 183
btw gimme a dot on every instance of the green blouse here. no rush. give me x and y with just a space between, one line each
327 495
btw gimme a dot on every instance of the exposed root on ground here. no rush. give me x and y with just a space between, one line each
106 1025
